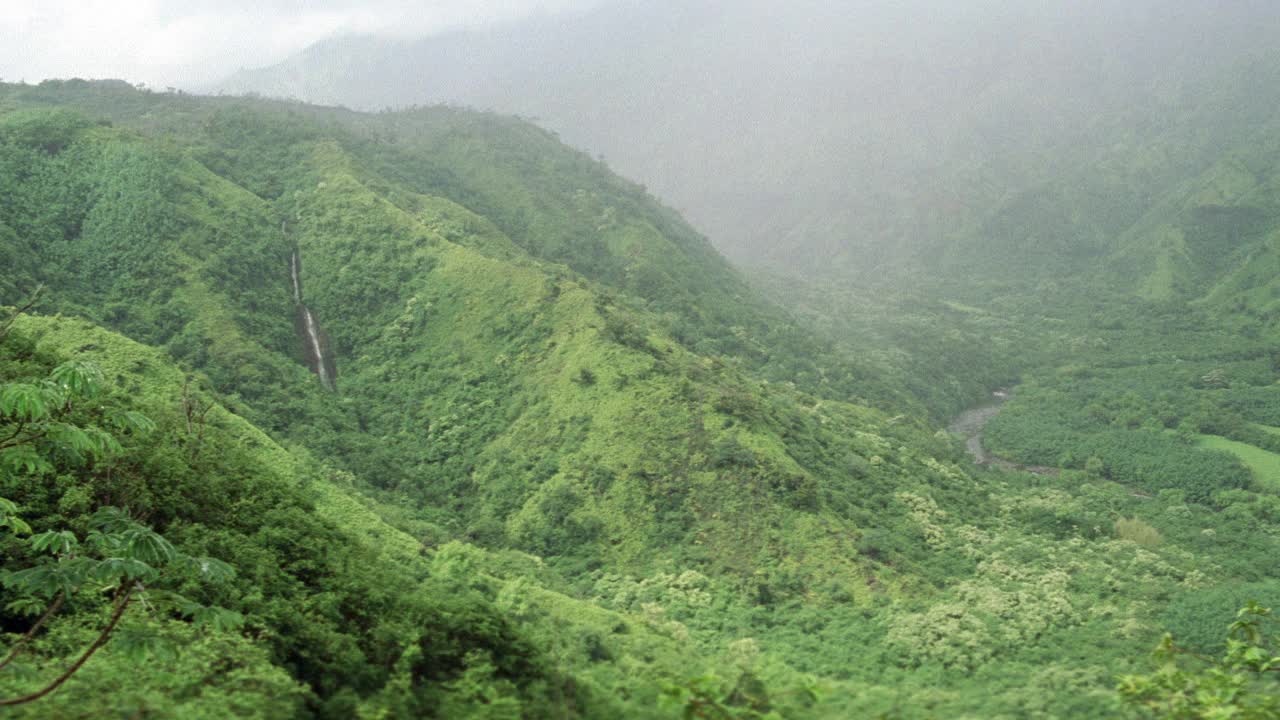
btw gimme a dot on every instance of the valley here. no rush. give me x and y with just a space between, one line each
970 424
482 429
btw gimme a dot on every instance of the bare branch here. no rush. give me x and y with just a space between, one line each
22 642
122 604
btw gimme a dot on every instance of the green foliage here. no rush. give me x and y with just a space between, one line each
10 520
1137 531
1241 683
1196 617
286 557
575 466
118 554
1102 425
47 131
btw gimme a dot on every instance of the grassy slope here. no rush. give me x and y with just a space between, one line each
1264 463
151 373
555 203
584 638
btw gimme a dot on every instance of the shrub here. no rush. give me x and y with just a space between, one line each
1137 531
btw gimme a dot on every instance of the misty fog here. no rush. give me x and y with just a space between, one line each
820 132
609 359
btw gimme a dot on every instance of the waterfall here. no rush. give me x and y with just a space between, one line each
315 345
313 337
293 273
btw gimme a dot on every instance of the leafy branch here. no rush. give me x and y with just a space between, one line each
1239 684
119 554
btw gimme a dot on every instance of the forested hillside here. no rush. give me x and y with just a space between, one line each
318 413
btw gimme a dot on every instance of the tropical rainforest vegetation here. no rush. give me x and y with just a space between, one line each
571 463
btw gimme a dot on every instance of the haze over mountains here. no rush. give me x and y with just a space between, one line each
834 132
314 412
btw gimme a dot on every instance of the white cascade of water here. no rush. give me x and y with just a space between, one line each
313 337
309 324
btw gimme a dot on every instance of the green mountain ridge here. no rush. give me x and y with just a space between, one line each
573 464
880 139
1147 206
516 403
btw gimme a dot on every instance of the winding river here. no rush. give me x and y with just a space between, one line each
969 425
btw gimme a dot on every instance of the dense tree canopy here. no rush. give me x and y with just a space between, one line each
574 464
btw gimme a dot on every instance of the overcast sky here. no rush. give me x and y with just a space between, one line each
187 43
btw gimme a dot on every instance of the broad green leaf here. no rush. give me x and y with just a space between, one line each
211 569
105 443
80 379
55 542
71 438
148 546
9 518
16 524
23 460
137 643
104 543
28 606
49 580
113 569
23 402
130 421
219 619
109 519
182 605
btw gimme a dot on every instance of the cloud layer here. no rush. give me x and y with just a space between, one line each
189 43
